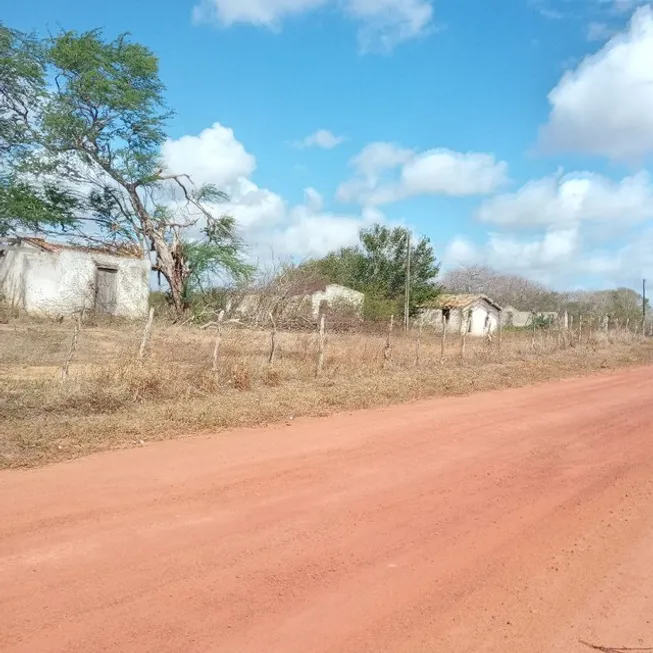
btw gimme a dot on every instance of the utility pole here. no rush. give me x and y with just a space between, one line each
407 292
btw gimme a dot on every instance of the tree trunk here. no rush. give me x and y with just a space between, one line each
168 261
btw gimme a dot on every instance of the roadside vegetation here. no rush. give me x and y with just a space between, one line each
112 398
82 161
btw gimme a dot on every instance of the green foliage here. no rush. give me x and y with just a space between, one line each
92 147
624 304
385 251
208 259
540 321
344 267
24 206
109 105
22 84
377 267
377 307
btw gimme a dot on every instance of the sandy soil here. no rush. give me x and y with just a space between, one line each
519 520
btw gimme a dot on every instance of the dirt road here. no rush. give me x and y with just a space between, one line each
519 520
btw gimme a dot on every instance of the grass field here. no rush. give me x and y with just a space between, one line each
112 399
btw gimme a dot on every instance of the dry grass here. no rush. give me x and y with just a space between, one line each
112 400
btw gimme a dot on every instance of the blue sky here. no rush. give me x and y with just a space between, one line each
319 116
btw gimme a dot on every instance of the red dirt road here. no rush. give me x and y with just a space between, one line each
519 520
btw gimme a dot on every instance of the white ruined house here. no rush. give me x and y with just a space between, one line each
478 314
302 299
512 316
52 279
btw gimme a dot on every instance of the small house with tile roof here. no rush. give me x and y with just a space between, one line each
477 314
53 279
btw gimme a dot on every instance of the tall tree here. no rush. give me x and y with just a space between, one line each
206 258
385 253
99 135
24 205
378 268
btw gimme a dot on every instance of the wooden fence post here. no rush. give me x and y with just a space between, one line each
533 330
218 341
500 332
418 345
463 338
320 345
73 345
443 340
580 328
273 340
387 352
146 334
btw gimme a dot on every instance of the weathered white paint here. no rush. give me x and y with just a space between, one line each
483 318
336 297
62 282
514 317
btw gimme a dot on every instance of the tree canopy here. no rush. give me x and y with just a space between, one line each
377 267
24 204
623 304
90 150
506 289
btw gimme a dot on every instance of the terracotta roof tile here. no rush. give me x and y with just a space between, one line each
125 251
459 301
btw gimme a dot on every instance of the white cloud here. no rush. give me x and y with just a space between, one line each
509 253
387 23
321 138
215 156
559 257
386 173
556 247
266 221
383 23
444 172
267 13
604 106
597 31
564 200
313 200
623 6
376 157
311 234
460 251
254 207
551 257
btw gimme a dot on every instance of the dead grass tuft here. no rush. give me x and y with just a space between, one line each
111 400
272 378
242 379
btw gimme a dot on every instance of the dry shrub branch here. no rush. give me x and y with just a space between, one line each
112 397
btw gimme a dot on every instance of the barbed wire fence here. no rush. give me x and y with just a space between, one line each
276 345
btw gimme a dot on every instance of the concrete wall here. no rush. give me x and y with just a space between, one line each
256 305
512 317
60 283
484 318
335 295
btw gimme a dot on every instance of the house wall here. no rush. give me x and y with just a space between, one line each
256 305
512 317
334 295
60 283
457 319
485 319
